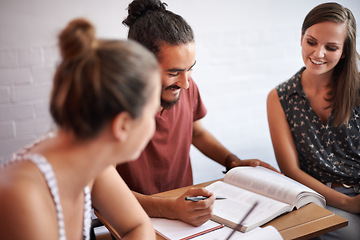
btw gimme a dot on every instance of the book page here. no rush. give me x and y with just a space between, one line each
266 233
238 202
176 229
268 183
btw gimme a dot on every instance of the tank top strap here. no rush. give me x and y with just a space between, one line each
46 169
87 214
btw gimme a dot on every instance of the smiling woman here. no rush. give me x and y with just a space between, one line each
314 117
322 48
322 45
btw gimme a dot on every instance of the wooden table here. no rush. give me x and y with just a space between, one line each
305 223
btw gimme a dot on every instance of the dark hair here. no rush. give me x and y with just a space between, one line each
152 25
97 79
346 79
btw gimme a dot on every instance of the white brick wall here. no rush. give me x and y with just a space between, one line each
244 49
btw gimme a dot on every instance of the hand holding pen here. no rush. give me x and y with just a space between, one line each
194 210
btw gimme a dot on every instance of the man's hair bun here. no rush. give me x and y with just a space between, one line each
138 8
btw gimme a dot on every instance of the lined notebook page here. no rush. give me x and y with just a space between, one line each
266 233
176 229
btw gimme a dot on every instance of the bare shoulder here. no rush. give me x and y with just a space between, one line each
273 103
25 203
272 96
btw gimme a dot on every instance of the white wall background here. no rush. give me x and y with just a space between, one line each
244 49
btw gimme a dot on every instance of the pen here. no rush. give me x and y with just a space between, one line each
242 220
199 198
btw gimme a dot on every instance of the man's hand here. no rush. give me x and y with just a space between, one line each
233 161
194 213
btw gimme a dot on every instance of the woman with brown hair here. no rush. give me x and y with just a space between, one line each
104 99
314 117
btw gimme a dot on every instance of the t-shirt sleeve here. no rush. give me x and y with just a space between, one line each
199 109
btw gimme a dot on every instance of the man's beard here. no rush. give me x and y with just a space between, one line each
169 104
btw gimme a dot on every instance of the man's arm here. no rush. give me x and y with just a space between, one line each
115 202
212 148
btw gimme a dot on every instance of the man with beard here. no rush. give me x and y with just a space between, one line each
165 162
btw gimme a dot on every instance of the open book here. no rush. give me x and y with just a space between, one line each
276 194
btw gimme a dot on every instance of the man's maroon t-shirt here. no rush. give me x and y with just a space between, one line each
165 162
